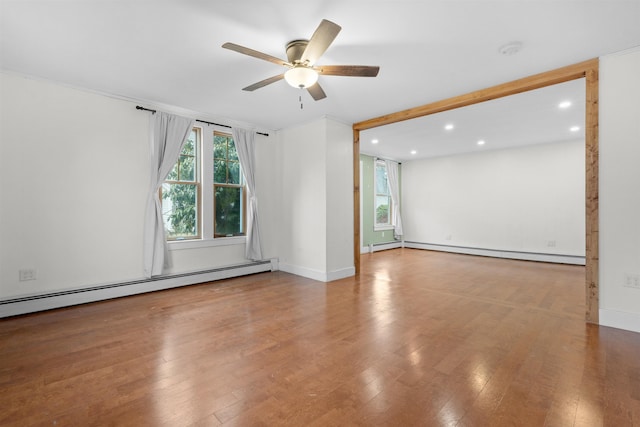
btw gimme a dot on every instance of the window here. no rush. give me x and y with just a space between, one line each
382 196
203 197
228 188
180 193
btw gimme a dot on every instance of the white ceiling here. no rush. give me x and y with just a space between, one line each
168 52
528 118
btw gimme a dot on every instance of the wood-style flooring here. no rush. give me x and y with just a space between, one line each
420 338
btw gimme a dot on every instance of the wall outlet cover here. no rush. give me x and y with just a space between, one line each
27 274
632 280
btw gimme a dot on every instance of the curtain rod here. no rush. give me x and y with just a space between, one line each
380 158
201 121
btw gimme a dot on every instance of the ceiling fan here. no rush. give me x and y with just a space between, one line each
302 56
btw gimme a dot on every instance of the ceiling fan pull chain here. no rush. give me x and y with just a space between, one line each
300 99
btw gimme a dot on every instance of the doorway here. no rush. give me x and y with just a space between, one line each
588 70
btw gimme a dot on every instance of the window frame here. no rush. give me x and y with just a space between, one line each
206 197
197 182
389 225
241 185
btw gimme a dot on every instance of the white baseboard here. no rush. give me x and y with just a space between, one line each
309 273
341 274
319 275
526 256
40 302
380 247
620 320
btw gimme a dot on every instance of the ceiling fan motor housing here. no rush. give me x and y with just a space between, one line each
295 49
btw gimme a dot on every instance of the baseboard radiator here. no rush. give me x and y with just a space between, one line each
496 253
375 247
65 298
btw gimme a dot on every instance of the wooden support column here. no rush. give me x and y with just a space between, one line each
356 200
592 294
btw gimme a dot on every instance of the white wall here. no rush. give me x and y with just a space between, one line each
303 213
528 199
339 198
316 222
619 188
73 186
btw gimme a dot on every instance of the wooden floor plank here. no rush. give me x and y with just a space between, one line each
420 338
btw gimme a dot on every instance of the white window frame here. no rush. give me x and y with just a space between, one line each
241 185
381 227
196 182
206 197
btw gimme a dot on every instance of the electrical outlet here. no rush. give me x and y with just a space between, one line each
448 237
27 274
551 243
632 280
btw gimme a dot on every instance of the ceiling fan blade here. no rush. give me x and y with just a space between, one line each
255 54
320 41
316 92
264 82
348 70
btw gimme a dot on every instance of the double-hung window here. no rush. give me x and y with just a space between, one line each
180 192
382 197
228 188
203 197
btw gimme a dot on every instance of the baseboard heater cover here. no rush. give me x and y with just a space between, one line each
496 253
58 299
375 247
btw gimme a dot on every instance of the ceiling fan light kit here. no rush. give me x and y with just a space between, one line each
302 56
301 77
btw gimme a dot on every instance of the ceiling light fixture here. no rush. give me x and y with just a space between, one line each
374 141
449 126
574 128
564 104
481 142
301 77
413 151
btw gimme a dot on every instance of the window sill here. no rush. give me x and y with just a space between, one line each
177 245
383 228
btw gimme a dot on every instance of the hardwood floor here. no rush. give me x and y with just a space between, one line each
421 338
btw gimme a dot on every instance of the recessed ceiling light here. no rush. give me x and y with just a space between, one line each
481 142
374 141
564 104
448 126
574 128
413 151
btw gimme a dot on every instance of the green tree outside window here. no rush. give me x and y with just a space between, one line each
228 187
180 193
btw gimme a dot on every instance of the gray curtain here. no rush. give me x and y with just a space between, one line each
394 189
168 135
245 145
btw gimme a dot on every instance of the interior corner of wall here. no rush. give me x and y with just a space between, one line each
341 273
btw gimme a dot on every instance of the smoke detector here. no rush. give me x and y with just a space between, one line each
510 48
